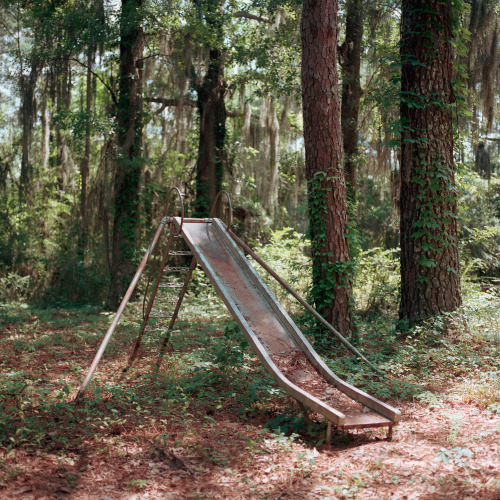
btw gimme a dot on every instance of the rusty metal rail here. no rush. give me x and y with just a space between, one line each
123 304
267 326
175 231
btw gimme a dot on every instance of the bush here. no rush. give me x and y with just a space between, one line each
287 255
14 288
377 281
479 224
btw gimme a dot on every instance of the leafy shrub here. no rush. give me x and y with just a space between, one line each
14 287
287 255
484 393
377 280
479 224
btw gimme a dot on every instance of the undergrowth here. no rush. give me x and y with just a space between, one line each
210 372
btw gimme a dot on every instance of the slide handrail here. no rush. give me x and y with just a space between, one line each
302 301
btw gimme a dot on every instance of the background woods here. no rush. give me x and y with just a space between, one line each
104 105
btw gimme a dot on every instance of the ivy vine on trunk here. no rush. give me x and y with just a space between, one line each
128 157
429 253
327 195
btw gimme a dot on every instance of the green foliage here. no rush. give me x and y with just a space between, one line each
287 424
287 253
327 275
14 287
479 208
484 393
377 279
432 399
460 456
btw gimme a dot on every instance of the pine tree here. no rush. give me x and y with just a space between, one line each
327 195
429 253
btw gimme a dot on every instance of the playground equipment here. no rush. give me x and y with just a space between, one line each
280 346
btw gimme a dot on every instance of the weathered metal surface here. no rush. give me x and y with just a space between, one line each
290 290
146 311
265 323
167 204
366 420
160 314
353 392
178 305
167 300
230 207
390 413
261 317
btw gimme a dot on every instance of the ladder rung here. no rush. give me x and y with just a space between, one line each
172 300
181 252
171 285
160 315
175 269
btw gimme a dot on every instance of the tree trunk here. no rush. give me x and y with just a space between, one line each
351 88
212 109
128 159
332 288
28 113
85 163
429 253
271 187
64 161
45 149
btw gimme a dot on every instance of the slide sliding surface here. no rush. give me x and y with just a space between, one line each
280 346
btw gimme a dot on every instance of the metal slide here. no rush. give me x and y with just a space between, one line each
280 346
269 329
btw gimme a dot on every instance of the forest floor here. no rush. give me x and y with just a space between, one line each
214 425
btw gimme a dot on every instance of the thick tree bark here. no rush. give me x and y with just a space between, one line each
351 88
128 160
327 194
429 254
212 109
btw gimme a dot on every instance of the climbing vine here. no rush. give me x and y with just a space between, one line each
332 277
429 253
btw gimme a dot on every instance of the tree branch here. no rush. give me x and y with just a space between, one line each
111 91
156 54
169 102
235 114
247 15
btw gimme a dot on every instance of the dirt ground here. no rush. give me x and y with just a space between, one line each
446 451
256 464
